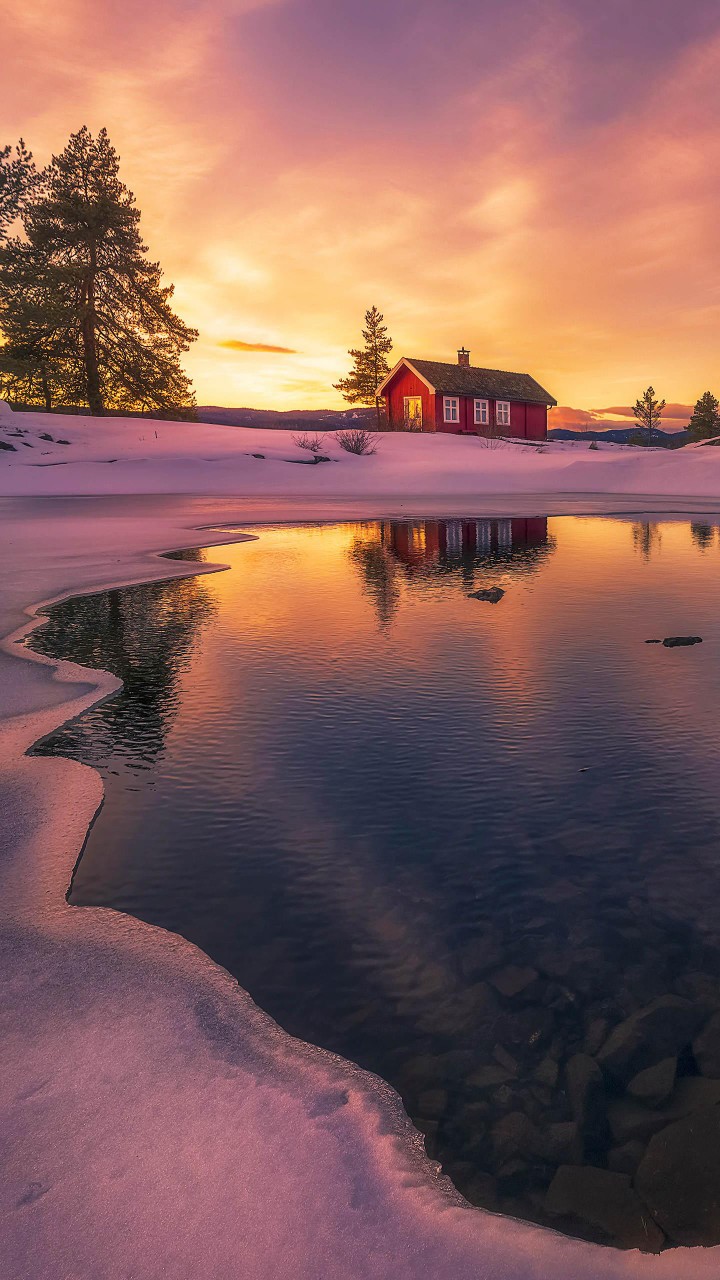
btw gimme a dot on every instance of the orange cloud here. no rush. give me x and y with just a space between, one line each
234 344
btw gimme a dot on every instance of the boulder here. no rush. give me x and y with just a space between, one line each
653 1085
679 1178
492 594
513 1135
633 1120
559 1143
607 1201
586 1095
488 1076
432 1104
513 980
660 1030
706 1047
625 1159
681 642
546 1072
5 444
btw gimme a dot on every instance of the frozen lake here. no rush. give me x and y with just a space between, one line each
456 842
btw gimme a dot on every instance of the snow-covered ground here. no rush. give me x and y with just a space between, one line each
131 455
155 1123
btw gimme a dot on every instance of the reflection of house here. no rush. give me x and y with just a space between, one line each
456 543
426 395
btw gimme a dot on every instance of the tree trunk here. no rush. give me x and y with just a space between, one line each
46 389
92 375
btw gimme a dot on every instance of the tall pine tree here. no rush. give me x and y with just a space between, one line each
705 421
97 312
370 364
648 412
17 178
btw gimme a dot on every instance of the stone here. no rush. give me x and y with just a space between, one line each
492 594
488 1076
676 642
596 1035
432 1103
653 1085
481 953
605 1200
630 1119
660 1030
513 980
559 1143
625 1159
547 1072
706 1048
679 1178
5 444
586 1095
505 1059
257 455
513 1135
480 1189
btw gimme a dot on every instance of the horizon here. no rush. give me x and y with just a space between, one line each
553 211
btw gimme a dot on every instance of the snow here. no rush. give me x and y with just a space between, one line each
132 455
156 1124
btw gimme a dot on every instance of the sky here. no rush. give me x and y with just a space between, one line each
537 180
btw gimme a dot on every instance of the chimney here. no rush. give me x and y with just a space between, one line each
464 357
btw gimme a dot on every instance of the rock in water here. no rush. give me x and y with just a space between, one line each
679 1178
586 1093
706 1048
679 642
605 1200
660 1030
653 1085
492 594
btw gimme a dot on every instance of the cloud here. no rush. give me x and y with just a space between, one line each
235 344
676 411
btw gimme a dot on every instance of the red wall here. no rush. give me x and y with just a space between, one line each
527 421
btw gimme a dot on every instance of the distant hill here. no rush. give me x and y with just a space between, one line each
621 435
289 419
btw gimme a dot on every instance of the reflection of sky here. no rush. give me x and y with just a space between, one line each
538 181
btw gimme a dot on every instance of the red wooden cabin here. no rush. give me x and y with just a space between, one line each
426 395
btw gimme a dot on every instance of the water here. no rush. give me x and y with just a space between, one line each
366 795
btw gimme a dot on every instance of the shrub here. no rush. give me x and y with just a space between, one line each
593 444
304 440
358 440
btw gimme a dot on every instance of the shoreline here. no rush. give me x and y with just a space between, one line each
408 1219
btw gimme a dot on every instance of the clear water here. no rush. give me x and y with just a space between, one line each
364 794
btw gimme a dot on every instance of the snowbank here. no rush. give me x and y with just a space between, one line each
156 1124
131 455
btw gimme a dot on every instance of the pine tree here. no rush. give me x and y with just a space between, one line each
370 364
99 311
648 412
17 178
705 421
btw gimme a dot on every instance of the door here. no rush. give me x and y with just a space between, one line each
413 413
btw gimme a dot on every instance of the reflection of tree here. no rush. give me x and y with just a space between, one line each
702 535
146 635
647 538
379 574
425 551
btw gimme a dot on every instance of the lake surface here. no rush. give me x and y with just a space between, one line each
455 842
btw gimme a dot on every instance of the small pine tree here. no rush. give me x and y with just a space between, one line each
648 412
370 364
705 421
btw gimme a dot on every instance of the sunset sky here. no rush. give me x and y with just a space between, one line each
536 179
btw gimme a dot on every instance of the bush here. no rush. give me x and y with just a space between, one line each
593 444
357 440
304 440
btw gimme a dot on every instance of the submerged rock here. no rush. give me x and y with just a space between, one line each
632 1120
678 642
586 1094
706 1047
679 1178
625 1159
513 979
660 1030
605 1200
653 1085
492 594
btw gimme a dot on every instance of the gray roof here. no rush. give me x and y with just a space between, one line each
492 384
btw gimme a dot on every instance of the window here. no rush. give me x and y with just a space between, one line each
481 413
412 412
502 412
451 409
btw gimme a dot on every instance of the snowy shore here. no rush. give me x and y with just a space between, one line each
156 1123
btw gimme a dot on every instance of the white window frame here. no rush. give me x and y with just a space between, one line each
482 413
502 413
451 409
